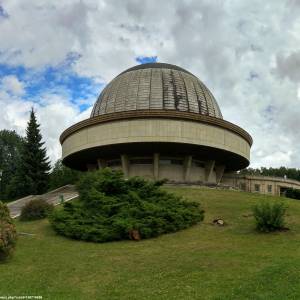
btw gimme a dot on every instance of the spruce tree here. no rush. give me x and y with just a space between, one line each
33 172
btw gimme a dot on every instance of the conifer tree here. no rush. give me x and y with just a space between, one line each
33 173
10 148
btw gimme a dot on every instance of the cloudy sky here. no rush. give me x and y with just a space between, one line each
58 55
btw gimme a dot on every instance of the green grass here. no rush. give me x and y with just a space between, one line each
203 262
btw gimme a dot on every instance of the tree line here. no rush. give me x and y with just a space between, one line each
25 167
291 173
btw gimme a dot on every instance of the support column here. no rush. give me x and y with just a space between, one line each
209 167
101 163
125 165
187 167
155 166
219 173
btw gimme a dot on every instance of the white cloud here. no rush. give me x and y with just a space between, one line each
247 52
289 66
55 114
13 85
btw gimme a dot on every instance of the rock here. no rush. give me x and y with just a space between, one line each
219 222
134 235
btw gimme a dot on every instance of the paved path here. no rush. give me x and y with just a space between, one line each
68 192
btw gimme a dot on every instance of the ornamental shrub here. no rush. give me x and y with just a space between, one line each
292 193
35 209
111 208
8 234
269 216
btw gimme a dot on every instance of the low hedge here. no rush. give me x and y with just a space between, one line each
36 209
269 216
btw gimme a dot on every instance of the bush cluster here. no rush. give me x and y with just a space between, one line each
269 216
112 208
8 234
35 209
292 193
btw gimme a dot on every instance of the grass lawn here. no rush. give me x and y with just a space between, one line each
202 262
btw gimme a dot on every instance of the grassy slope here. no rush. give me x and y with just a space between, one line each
203 262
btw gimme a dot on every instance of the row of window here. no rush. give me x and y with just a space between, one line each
257 188
149 161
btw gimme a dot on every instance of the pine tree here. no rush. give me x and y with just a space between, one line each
33 173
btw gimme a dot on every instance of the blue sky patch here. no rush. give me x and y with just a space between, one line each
60 80
146 59
3 13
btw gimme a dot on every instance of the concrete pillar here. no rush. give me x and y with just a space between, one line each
187 167
101 163
155 166
125 165
219 173
209 167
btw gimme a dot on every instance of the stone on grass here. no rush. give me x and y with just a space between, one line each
219 222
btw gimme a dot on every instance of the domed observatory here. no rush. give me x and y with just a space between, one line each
158 121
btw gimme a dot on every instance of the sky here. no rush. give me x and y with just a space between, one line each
57 56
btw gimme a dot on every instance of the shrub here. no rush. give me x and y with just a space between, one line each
35 209
8 234
112 208
292 193
269 216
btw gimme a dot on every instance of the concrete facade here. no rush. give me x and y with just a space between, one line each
155 130
178 168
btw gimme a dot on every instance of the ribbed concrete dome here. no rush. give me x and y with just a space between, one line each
156 86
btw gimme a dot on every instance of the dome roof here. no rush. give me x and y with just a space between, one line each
156 86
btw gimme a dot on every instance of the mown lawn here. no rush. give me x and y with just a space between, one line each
203 262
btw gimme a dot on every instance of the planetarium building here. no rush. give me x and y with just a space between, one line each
158 121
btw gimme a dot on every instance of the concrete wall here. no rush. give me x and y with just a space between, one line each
198 174
143 170
155 130
172 172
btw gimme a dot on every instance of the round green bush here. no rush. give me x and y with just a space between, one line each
269 216
35 209
111 208
8 233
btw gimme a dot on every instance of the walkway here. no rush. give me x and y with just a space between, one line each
68 192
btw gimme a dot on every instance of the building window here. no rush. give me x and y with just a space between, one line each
257 187
171 161
242 186
114 163
141 161
176 161
270 188
165 161
198 163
